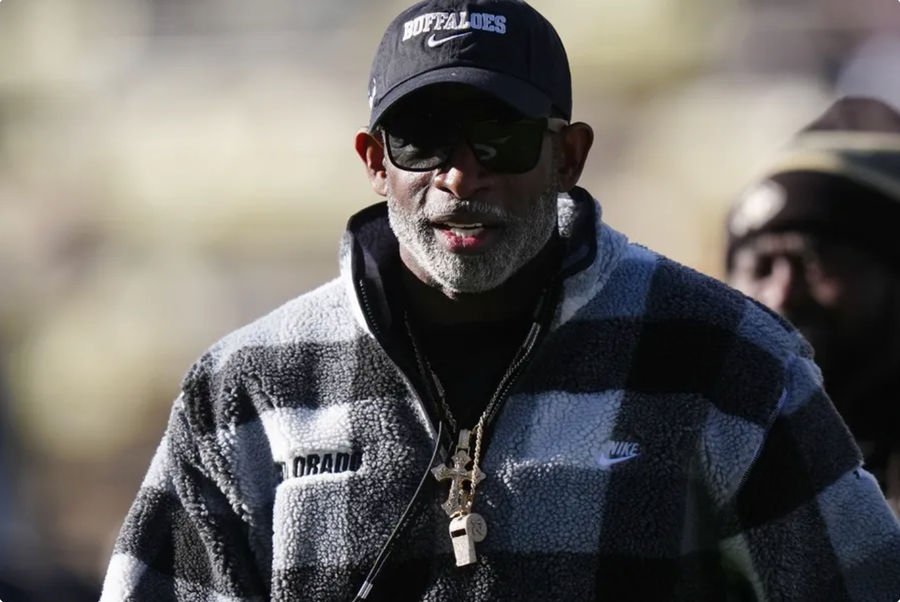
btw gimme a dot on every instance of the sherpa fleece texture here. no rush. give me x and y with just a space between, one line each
669 440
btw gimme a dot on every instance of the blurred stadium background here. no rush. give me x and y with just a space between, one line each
171 169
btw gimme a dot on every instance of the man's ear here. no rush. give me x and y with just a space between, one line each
574 144
371 151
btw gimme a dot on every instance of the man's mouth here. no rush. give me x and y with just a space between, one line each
462 230
466 236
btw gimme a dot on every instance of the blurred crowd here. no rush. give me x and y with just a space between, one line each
168 171
814 238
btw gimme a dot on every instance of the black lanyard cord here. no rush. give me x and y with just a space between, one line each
388 547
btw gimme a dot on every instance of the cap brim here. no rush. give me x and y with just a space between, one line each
517 93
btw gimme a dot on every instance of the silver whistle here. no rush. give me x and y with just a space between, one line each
465 532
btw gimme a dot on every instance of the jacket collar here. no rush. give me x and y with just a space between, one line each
369 258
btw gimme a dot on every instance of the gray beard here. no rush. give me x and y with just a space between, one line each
521 240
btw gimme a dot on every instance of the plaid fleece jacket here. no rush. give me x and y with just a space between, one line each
669 439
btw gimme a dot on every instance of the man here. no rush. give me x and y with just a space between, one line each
815 239
501 398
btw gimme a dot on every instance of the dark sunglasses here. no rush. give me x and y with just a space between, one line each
427 142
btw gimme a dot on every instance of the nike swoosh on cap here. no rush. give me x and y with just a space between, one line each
433 43
606 462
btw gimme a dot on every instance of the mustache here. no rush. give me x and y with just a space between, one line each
443 207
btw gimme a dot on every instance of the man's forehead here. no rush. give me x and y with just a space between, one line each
798 242
770 243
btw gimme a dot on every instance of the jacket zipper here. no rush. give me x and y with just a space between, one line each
411 506
512 373
420 403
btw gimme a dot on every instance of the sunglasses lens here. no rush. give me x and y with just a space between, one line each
417 151
507 146
418 141
502 146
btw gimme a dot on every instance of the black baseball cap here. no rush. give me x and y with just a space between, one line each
838 179
503 47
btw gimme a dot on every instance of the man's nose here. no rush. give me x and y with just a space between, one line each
464 177
787 287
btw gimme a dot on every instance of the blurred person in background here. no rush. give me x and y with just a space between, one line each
817 239
606 422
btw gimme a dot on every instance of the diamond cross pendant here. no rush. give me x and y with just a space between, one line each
460 499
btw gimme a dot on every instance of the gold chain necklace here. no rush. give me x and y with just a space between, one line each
466 527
